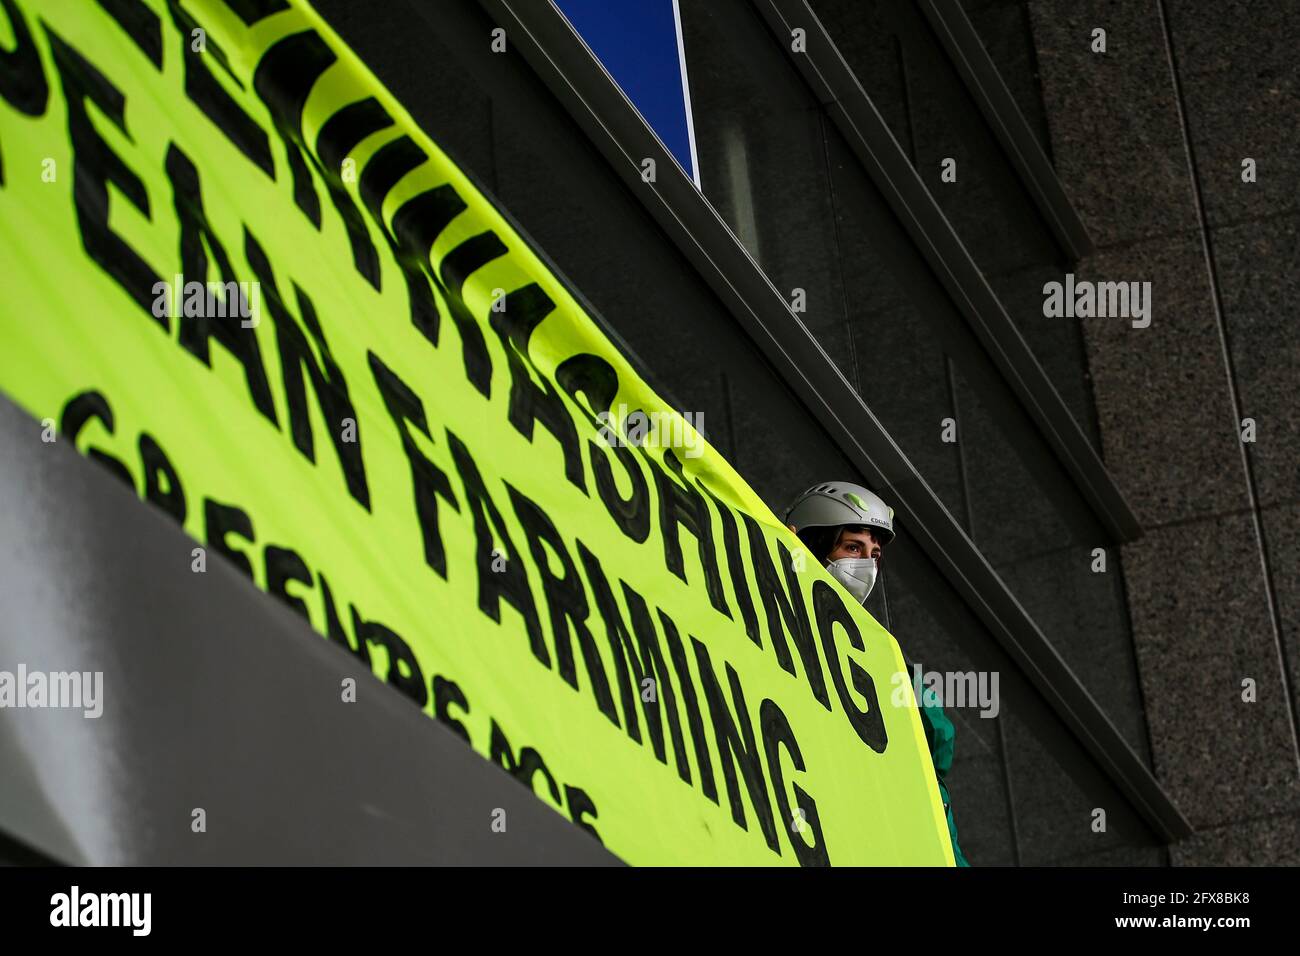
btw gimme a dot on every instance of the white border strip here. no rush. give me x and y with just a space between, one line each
686 96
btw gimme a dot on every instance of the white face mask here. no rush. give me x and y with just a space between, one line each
858 575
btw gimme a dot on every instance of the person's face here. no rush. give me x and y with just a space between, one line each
856 544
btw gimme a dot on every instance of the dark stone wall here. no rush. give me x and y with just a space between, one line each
1149 139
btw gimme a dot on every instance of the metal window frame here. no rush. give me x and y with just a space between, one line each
959 39
835 85
563 63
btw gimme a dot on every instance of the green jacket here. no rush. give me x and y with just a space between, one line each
941 736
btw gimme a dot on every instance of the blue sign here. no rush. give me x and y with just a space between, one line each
639 42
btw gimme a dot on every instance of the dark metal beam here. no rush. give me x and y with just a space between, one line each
980 74
561 61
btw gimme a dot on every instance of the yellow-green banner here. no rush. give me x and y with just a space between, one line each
239 275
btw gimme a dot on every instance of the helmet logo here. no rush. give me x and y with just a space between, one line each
857 501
